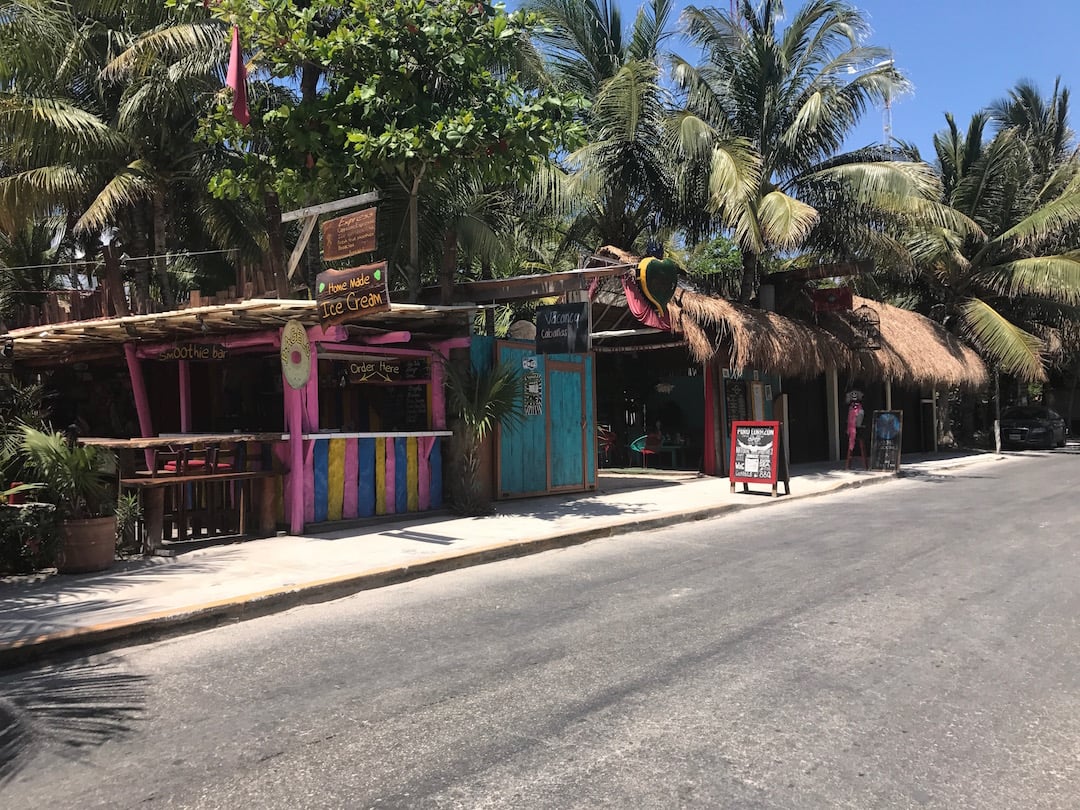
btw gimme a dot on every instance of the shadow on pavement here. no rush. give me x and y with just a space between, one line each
66 707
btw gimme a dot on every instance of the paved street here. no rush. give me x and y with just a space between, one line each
910 644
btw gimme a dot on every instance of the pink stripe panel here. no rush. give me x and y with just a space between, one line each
423 471
349 507
391 477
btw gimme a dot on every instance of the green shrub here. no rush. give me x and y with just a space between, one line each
29 537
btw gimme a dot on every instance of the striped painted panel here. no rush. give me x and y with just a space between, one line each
365 477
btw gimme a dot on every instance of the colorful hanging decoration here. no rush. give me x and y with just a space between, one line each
658 279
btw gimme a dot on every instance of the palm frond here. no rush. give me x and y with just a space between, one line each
1044 223
1056 278
127 187
785 221
1014 350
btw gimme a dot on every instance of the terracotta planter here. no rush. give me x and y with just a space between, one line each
86 545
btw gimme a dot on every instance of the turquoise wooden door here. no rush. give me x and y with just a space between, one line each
523 447
554 446
567 421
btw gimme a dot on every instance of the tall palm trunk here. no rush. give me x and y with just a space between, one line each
412 272
114 283
749 277
275 236
161 266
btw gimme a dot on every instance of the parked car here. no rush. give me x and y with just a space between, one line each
1032 426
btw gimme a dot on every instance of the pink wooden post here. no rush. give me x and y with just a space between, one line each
438 393
438 375
142 402
184 368
310 421
294 414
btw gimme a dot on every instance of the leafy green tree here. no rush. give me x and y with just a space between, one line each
406 92
794 91
1010 281
716 265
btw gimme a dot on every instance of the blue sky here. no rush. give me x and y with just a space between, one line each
960 55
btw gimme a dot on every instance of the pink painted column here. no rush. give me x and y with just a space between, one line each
294 495
142 402
438 392
184 368
438 379
311 394
310 400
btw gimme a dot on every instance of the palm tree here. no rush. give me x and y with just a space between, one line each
481 400
794 94
101 104
1011 279
627 176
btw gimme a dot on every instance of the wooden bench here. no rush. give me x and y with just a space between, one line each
153 488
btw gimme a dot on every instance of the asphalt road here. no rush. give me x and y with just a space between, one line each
904 645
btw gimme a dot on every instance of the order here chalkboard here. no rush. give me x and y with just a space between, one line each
756 457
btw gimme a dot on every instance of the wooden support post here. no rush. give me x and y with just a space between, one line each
301 244
832 407
184 370
142 401
294 408
153 504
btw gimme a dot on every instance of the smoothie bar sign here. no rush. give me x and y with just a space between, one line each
346 295
194 351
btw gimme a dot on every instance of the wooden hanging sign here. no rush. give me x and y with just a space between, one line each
348 295
349 235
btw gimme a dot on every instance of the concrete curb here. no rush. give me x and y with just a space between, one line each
165 624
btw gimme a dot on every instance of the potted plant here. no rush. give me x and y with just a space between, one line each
481 400
77 480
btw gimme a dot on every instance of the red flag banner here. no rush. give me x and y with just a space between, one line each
237 80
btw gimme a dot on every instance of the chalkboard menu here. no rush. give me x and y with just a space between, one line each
563 329
886 438
756 456
416 396
735 402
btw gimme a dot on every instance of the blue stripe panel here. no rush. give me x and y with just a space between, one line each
322 465
365 478
401 475
436 474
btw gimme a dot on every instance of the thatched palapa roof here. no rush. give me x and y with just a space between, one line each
914 350
752 338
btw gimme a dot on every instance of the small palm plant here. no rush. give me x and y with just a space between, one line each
75 478
481 400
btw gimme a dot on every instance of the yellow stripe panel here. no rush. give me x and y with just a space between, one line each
335 483
380 476
413 475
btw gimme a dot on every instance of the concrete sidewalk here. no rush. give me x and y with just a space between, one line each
144 599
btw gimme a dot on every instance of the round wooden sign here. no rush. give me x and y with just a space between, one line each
295 354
